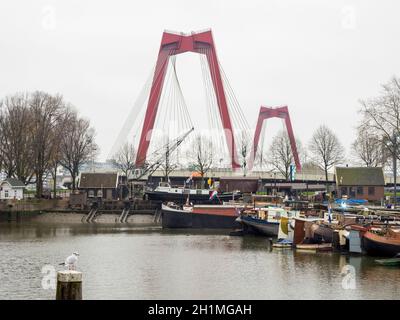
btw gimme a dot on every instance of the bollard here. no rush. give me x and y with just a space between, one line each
69 285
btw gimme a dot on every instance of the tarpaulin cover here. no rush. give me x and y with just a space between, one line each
351 201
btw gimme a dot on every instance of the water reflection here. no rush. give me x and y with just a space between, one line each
131 263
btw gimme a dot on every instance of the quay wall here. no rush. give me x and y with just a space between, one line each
76 218
33 205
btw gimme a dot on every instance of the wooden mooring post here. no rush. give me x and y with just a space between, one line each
69 285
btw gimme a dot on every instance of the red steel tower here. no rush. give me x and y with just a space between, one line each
280 112
173 44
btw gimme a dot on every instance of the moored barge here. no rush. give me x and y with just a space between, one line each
199 217
387 245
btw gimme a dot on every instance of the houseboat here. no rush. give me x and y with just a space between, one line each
264 221
264 218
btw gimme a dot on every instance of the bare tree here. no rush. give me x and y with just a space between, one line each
76 146
54 163
16 137
280 153
125 159
38 132
63 125
244 151
46 112
368 148
326 149
162 157
168 165
382 115
201 155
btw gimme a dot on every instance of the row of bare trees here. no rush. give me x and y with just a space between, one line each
38 133
376 144
200 157
324 146
324 151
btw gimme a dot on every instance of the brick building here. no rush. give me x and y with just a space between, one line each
360 183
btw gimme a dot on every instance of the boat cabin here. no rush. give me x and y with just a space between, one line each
166 187
270 213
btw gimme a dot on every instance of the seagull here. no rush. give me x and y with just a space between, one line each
71 261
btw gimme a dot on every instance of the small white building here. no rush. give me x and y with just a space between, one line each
11 188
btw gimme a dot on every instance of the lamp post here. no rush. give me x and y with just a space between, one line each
394 180
307 190
394 154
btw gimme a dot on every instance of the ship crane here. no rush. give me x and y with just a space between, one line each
170 147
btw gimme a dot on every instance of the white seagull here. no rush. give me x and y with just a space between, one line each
71 261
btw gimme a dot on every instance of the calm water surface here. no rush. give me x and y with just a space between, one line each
127 263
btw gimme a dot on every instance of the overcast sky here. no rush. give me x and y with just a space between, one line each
317 57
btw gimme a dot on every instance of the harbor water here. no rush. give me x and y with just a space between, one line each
123 262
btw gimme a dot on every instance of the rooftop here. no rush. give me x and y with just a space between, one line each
359 176
98 180
15 183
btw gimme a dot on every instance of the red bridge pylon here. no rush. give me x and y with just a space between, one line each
173 44
279 112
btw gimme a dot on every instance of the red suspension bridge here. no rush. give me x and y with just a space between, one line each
224 111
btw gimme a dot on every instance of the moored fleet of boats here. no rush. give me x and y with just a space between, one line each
296 224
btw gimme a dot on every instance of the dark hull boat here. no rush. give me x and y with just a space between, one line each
200 217
378 245
260 226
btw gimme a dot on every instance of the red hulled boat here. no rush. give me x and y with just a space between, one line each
382 244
